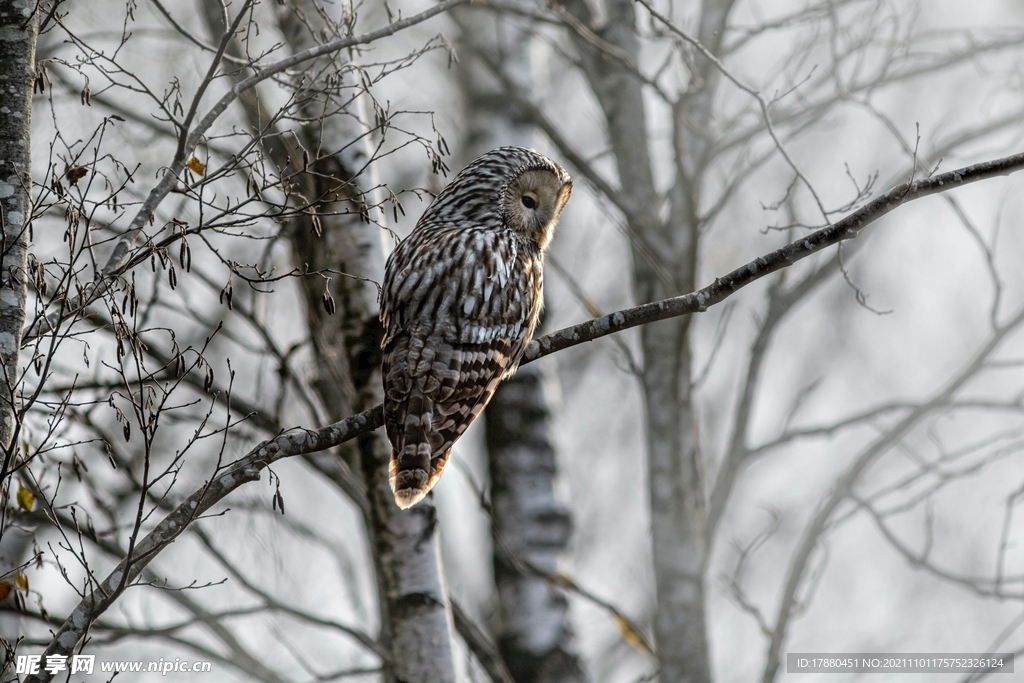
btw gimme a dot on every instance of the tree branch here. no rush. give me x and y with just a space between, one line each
724 287
843 489
480 645
121 254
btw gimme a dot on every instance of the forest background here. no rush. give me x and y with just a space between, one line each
820 451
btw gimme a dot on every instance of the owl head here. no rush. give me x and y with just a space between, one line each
511 187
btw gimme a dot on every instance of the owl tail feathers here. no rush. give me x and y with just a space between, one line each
413 473
406 498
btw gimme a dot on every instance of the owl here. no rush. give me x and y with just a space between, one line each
459 305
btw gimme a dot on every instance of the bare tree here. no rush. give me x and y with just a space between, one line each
290 177
336 237
641 64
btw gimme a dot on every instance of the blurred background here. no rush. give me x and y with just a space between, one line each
828 461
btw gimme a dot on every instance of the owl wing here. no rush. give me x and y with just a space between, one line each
458 312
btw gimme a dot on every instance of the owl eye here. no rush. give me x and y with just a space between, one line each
529 201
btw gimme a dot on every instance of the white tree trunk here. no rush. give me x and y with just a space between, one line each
18 32
535 637
19 27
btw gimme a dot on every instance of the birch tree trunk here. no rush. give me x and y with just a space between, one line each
416 624
19 29
535 637
533 631
19 24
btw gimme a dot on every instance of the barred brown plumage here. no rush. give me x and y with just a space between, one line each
460 302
